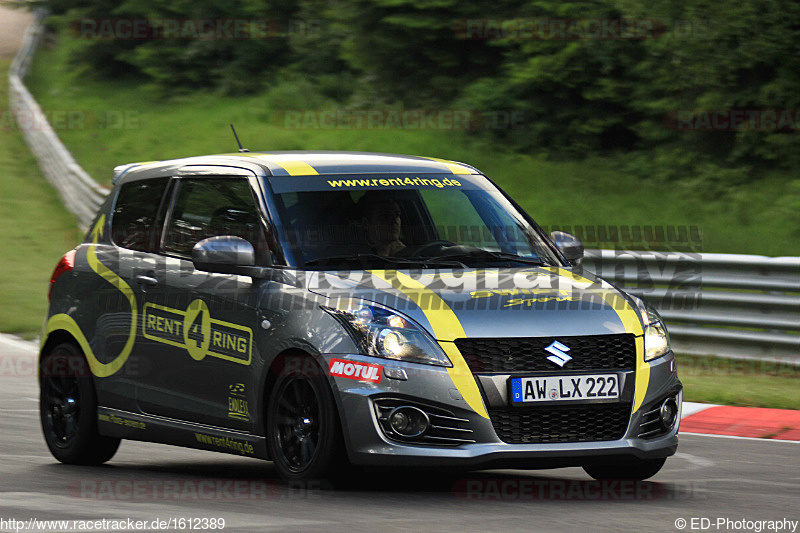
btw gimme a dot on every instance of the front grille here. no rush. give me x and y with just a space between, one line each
446 428
584 423
527 354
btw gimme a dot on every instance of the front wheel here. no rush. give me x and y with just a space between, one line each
635 470
68 409
303 433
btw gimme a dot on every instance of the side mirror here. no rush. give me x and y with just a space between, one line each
569 245
226 255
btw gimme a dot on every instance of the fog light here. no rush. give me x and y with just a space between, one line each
408 421
668 413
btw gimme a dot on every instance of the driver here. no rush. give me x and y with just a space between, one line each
381 217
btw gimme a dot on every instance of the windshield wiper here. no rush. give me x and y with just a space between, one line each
487 254
391 260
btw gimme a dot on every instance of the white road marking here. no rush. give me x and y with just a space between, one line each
737 437
692 408
695 460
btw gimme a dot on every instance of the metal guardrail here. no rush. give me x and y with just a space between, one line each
741 306
728 305
79 192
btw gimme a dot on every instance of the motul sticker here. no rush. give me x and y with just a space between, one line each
359 371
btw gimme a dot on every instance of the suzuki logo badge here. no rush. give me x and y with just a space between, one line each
559 352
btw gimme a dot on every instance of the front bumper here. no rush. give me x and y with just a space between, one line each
368 443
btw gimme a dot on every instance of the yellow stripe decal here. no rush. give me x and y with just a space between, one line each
446 328
453 167
294 168
297 168
66 322
630 321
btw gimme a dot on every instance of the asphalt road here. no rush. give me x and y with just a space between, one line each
711 477
12 26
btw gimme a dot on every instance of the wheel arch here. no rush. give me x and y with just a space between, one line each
53 339
272 373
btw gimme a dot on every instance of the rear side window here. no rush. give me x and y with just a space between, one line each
207 207
133 223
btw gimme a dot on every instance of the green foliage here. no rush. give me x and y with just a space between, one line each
234 46
573 94
594 191
789 207
410 50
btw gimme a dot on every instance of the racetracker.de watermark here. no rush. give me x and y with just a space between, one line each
27 366
68 119
192 489
400 119
722 120
574 29
201 29
558 29
574 490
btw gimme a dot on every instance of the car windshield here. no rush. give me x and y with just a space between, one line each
428 224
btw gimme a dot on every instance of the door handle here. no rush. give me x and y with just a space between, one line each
150 281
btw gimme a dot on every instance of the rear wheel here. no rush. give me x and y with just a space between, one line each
636 470
68 409
303 432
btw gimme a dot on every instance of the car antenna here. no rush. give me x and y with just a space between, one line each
241 148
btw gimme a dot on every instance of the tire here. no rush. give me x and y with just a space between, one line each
68 409
635 470
304 437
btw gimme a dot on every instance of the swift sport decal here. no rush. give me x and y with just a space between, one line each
353 370
195 331
540 299
66 322
488 293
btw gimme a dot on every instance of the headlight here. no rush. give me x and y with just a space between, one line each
656 337
382 332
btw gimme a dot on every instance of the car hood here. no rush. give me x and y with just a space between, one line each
491 302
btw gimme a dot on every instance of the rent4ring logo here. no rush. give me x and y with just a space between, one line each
195 331
359 371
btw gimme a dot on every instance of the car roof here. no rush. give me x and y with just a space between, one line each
301 163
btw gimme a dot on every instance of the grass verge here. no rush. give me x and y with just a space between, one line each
36 231
736 382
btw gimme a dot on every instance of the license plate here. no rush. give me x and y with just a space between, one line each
564 388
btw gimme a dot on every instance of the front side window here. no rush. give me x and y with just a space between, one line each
133 222
208 207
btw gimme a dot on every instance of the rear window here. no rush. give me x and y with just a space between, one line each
133 222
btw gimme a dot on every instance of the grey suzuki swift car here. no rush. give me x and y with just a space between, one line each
322 309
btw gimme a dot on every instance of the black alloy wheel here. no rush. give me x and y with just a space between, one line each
68 409
303 433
